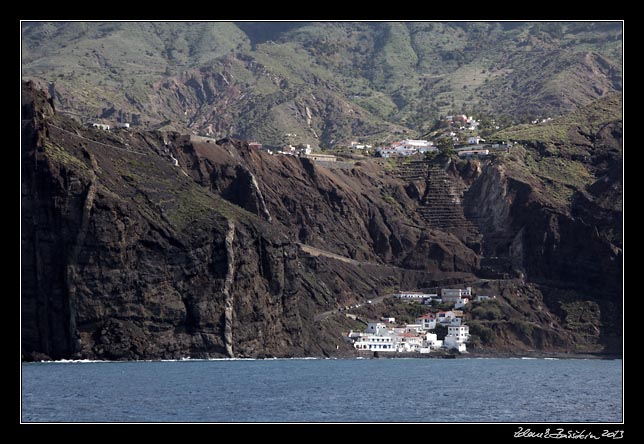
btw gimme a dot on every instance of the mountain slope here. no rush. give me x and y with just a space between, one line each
357 79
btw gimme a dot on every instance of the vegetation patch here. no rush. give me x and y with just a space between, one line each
487 310
63 156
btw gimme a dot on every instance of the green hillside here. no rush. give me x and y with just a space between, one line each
356 79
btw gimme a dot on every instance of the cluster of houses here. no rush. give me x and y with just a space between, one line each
463 122
106 127
385 335
407 147
360 146
474 145
299 150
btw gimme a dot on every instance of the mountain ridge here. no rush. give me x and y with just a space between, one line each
387 75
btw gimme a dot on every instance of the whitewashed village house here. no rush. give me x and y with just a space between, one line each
428 321
432 341
418 337
460 303
375 343
474 140
413 295
445 317
376 328
407 147
456 337
481 298
101 126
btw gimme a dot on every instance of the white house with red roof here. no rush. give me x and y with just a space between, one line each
445 317
427 321
408 342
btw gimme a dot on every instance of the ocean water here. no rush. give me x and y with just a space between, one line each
324 390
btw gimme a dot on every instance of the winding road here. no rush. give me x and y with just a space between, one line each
313 251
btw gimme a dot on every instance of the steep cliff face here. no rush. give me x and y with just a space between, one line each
119 263
551 214
351 210
126 256
234 252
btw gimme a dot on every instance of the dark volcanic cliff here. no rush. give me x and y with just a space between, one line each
236 252
127 256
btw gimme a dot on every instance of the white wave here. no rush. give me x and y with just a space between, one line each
525 357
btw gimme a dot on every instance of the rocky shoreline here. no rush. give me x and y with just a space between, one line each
375 355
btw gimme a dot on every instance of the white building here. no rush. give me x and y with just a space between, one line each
452 295
101 126
481 298
457 336
304 149
474 140
408 342
461 302
432 341
432 297
445 317
413 295
460 332
397 151
413 328
398 330
450 342
413 143
375 343
407 147
360 146
388 320
377 328
427 321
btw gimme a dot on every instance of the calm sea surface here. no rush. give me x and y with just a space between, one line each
323 390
